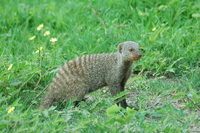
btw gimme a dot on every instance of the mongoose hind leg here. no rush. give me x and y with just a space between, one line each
51 97
79 96
47 102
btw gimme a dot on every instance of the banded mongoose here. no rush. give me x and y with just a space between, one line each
88 73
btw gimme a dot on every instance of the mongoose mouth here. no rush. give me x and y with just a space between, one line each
136 57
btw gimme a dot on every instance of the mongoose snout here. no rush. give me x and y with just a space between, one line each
88 73
136 57
139 56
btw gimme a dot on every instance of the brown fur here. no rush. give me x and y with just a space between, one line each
88 73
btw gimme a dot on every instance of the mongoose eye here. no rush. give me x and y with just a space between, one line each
131 49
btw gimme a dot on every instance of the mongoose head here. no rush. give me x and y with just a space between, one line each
130 51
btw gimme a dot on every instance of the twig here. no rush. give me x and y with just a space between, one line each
100 20
41 92
39 79
46 86
40 71
41 76
21 87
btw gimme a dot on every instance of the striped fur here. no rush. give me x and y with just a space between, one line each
88 73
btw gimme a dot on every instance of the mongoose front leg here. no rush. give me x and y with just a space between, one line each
122 86
123 102
116 89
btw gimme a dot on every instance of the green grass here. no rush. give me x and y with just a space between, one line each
166 92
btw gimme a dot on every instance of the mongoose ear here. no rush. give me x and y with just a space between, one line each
120 47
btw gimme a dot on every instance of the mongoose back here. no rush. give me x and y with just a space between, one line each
88 73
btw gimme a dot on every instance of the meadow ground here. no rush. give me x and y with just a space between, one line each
37 37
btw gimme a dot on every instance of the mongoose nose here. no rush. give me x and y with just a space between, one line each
140 55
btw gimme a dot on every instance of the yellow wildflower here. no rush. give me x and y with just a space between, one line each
40 27
39 50
46 33
32 38
10 67
53 40
196 15
11 110
162 7
143 14
154 29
